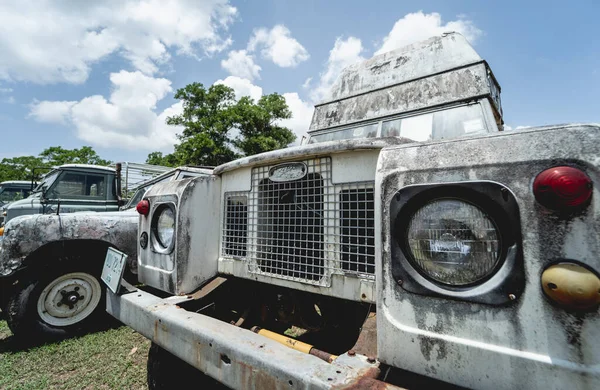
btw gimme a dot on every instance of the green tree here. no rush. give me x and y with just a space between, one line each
56 155
217 128
157 158
21 168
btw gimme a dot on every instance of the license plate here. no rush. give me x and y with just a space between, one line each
112 272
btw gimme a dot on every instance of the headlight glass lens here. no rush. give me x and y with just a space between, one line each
453 242
165 227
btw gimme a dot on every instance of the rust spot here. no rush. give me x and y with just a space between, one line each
208 288
263 380
322 355
367 381
366 344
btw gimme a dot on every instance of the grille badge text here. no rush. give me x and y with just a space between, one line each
288 172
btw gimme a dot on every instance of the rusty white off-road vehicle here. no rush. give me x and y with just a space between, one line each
408 235
50 264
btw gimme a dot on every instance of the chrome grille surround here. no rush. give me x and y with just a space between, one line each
304 230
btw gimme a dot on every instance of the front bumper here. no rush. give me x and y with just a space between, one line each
234 356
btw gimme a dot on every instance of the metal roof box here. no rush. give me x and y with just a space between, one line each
438 71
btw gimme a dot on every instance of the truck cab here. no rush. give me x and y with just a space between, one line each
70 188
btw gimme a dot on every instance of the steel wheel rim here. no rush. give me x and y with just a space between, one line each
69 299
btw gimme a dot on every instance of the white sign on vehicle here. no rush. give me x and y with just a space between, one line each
112 272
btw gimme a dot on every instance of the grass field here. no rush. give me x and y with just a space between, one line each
114 359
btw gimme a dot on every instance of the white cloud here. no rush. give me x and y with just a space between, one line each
127 120
242 87
345 52
48 41
240 63
278 46
306 83
48 111
302 113
6 90
418 26
510 128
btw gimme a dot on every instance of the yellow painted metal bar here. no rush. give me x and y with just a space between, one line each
295 344
287 341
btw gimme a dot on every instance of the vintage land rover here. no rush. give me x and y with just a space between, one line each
408 235
50 264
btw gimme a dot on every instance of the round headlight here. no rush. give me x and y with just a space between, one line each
165 227
453 242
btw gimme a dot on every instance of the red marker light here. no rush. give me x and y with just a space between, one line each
143 207
562 187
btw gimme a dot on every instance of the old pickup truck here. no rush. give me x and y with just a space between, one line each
80 187
410 237
50 265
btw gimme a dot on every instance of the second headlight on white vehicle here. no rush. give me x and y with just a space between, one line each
165 227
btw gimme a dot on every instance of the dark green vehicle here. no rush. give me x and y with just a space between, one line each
70 188
12 191
81 187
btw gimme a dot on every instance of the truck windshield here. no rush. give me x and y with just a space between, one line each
47 181
141 191
11 194
443 124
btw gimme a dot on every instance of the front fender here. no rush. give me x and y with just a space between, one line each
26 236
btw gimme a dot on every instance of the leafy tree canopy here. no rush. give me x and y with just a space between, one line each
217 128
21 168
56 155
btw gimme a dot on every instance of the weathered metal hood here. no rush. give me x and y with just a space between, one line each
25 234
307 151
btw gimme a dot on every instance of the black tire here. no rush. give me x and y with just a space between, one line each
166 371
24 318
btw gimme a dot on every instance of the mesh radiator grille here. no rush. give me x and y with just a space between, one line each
303 229
235 232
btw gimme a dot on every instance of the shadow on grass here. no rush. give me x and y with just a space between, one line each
9 343
13 344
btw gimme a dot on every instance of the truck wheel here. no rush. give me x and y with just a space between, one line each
57 305
167 371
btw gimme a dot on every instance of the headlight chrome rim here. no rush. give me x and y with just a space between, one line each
159 243
451 247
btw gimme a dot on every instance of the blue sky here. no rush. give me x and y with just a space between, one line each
104 74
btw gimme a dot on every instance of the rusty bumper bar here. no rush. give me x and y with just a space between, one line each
237 357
